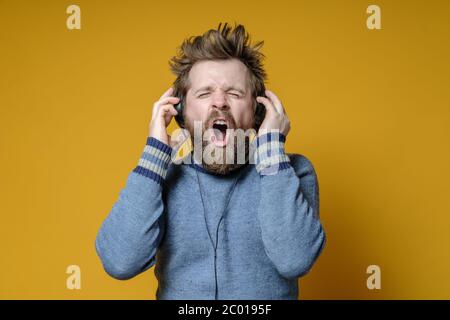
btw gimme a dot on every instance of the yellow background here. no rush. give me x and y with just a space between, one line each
369 108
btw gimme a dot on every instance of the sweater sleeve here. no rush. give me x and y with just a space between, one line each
129 236
288 212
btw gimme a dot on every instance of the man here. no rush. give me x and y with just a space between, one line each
222 228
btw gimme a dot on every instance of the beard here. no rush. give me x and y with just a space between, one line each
221 159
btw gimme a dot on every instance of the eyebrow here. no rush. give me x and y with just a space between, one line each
209 88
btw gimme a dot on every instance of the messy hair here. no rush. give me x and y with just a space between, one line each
221 44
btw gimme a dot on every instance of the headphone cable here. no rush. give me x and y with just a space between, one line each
220 220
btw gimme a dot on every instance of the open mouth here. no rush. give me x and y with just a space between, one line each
220 132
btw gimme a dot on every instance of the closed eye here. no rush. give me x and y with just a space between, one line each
233 94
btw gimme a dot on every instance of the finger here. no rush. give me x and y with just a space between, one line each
164 109
276 101
164 101
167 111
267 103
167 93
168 100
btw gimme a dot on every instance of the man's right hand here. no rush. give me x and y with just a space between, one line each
162 114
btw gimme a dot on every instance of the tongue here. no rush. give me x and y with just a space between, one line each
219 134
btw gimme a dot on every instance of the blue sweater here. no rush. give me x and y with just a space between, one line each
170 215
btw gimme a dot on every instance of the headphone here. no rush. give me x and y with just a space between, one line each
260 112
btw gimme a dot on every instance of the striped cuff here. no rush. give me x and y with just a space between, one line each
154 160
270 154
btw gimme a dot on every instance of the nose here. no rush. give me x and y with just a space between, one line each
219 100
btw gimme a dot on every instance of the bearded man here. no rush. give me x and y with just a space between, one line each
236 220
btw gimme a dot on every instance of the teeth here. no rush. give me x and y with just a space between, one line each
220 122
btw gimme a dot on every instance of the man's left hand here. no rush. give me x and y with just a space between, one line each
276 117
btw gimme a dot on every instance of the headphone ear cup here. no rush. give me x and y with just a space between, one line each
179 117
260 113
